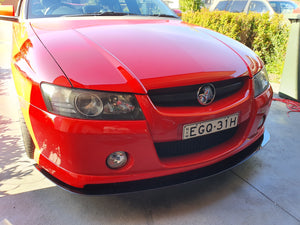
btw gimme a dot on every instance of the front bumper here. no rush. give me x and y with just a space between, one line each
73 152
139 185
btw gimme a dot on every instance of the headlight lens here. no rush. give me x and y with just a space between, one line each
261 82
85 104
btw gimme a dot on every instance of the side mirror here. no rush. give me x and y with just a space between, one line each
178 12
7 13
7 10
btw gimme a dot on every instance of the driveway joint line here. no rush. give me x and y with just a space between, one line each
266 196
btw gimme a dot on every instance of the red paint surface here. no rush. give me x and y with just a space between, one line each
130 56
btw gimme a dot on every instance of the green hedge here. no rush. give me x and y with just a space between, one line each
191 5
266 35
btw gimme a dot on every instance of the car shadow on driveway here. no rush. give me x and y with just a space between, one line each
12 158
12 154
222 199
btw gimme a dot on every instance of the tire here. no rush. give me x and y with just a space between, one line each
28 143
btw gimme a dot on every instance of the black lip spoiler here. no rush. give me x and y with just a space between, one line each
159 182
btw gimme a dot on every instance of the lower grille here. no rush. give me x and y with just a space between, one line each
193 145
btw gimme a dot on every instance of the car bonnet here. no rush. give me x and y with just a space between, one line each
137 55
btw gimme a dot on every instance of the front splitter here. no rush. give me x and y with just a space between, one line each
159 182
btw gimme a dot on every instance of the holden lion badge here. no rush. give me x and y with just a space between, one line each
206 94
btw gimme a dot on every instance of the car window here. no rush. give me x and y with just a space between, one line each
237 6
53 8
275 6
286 7
231 6
258 6
283 7
222 6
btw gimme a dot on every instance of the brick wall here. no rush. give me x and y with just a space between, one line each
10 2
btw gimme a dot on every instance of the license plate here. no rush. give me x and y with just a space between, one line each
208 127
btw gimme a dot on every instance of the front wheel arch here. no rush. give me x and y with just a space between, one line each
27 140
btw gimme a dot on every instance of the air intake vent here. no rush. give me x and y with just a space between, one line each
193 145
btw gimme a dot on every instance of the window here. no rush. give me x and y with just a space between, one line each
237 6
231 6
52 8
287 7
258 6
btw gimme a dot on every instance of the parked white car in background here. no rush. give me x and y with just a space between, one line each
246 6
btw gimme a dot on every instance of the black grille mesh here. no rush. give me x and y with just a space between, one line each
193 145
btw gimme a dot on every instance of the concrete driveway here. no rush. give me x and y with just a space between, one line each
264 190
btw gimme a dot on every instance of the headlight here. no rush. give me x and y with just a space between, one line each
85 104
261 82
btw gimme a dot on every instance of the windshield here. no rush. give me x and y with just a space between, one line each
55 8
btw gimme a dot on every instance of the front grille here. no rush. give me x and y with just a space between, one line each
193 145
187 95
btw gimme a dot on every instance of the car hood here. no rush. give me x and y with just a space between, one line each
137 55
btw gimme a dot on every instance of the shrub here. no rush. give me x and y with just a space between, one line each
266 35
190 5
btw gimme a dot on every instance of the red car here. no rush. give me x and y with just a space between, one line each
121 95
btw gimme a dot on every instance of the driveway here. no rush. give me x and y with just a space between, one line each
264 190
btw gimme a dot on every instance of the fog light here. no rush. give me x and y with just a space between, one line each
116 160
